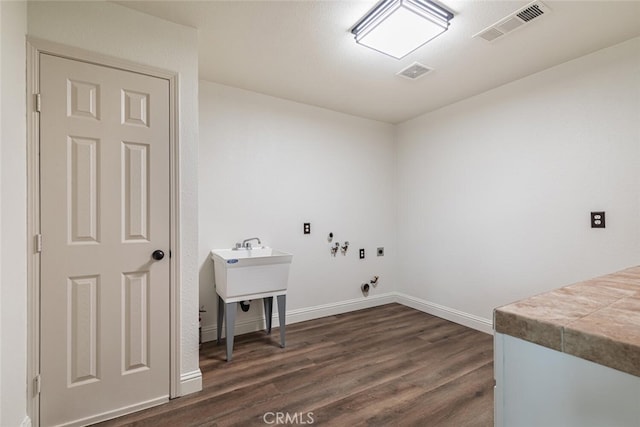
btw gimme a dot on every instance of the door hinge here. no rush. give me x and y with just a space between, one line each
38 243
38 102
36 384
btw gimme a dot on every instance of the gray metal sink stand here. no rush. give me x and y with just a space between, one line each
227 312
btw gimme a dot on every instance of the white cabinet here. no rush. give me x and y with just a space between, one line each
540 387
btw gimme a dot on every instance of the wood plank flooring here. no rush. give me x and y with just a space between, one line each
384 366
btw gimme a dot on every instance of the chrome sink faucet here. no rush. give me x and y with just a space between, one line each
246 243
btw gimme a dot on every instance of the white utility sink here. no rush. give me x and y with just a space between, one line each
250 273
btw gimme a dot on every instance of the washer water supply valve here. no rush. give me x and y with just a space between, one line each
374 281
334 248
344 248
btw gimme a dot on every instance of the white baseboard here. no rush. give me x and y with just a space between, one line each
245 326
447 313
190 382
318 311
209 332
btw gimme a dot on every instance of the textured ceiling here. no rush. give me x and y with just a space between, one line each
303 51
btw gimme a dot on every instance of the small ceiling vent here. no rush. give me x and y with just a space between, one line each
514 21
530 12
414 71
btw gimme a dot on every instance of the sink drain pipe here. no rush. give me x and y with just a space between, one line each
245 305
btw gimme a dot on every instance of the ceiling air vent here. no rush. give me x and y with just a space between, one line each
530 12
414 71
514 21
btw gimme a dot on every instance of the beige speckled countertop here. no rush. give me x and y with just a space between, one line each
596 320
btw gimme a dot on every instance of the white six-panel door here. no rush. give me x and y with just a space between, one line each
104 170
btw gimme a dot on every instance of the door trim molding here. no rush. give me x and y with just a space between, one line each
35 47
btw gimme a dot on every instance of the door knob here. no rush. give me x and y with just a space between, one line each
157 255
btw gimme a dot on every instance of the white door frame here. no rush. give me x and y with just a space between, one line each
34 48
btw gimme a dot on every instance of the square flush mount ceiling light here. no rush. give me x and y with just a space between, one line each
398 27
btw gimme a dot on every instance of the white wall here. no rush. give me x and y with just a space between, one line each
111 29
268 165
495 191
13 290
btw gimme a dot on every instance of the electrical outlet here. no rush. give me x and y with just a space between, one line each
307 228
380 251
361 253
597 220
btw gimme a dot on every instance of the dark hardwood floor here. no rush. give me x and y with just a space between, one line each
384 366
